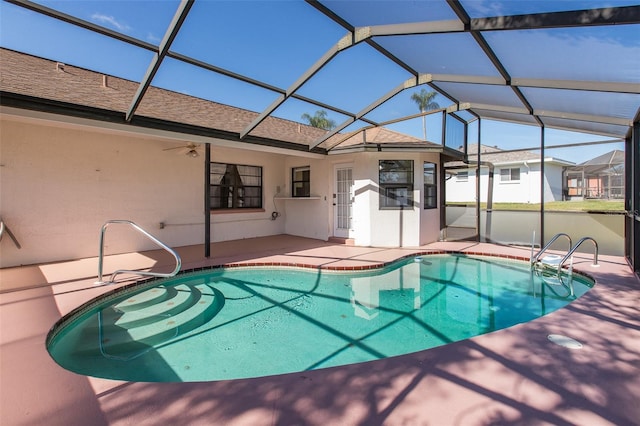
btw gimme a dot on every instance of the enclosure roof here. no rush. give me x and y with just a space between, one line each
613 158
567 65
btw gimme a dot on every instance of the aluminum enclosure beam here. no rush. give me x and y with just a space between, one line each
385 123
412 82
170 35
550 114
578 18
604 16
538 83
574 18
344 43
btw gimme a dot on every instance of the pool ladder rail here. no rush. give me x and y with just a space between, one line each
557 261
127 271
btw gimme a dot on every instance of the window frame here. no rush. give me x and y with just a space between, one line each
395 189
306 183
236 188
511 179
430 195
462 176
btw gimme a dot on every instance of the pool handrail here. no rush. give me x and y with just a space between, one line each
536 258
126 271
570 253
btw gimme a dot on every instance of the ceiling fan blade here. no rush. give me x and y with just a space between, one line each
189 147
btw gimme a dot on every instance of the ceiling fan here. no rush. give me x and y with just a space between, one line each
191 149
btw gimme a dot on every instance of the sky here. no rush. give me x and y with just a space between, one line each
276 42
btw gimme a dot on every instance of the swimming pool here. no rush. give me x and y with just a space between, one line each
231 323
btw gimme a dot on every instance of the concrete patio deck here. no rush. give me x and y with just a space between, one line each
514 376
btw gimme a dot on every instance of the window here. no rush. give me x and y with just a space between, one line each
235 186
396 184
430 186
301 182
510 175
462 176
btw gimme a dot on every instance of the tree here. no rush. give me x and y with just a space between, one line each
425 102
319 120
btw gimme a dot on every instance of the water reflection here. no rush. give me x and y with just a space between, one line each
366 292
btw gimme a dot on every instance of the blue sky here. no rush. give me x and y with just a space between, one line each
277 41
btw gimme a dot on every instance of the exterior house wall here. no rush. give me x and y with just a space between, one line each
526 190
306 217
227 226
394 228
61 182
371 226
430 219
364 200
460 189
554 177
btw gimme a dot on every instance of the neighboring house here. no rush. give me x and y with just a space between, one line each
600 177
516 177
70 162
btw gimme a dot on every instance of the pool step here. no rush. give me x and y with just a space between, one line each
123 315
152 325
117 339
552 260
146 298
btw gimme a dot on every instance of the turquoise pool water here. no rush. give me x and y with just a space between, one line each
249 322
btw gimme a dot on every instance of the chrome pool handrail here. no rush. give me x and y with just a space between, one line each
126 271
535 258
582 240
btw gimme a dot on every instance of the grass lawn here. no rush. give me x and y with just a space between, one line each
573 206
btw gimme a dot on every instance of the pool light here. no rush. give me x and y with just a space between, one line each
564 341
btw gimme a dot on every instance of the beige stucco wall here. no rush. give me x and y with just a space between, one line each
391 228
60 182
307 217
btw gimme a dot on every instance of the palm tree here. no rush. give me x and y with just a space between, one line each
424 100
319 120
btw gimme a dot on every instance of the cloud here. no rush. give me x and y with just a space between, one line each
152 38
110 21
485 8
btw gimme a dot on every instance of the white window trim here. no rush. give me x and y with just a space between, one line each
510 181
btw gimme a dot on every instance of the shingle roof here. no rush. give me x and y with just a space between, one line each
49 80
497 156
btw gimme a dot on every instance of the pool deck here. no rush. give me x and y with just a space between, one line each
514 376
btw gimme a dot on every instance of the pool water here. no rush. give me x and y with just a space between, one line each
249 322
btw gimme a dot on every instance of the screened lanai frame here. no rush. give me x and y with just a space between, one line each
486 78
